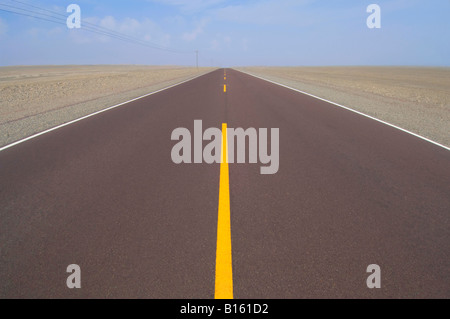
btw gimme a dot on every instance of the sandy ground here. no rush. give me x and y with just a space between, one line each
414 98
36 98
33 99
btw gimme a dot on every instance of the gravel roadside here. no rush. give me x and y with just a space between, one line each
414 98
34 99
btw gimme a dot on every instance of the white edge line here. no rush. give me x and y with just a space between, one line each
350 109
95 113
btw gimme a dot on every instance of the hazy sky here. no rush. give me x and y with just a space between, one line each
231 33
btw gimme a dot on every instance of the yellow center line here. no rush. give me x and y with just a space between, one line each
224 272
224 88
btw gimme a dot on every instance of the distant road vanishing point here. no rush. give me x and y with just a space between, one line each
103 193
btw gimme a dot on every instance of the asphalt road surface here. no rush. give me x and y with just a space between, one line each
103 193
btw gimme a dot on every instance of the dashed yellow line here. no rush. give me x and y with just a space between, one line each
224 271
224 88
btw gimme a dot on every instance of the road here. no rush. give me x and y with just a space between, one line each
103 193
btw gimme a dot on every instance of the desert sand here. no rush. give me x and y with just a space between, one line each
36 98
33 99
414 98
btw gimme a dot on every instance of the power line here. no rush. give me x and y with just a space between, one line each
27 15
106 30
86 29
87 26
196 54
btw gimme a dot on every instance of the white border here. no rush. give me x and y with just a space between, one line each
95 113
349 109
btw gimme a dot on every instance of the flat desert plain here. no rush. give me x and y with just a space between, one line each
36 98
414 98
33 99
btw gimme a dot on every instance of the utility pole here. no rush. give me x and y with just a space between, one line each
196 52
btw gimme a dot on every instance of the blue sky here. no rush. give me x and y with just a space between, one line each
232 33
